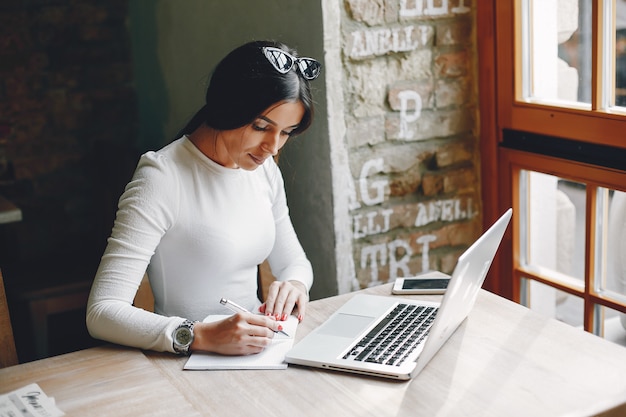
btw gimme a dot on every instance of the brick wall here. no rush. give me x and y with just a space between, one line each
411 135
67 126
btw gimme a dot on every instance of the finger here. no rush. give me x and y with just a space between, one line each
240 334
251 350
268 324
290 304
281 306
261 332
258 343
297 297
290 293
302 301
272 293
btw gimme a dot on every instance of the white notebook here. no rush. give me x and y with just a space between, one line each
273 357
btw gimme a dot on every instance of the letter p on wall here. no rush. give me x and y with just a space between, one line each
406 97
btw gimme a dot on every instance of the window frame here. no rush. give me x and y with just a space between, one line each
501 108
599 125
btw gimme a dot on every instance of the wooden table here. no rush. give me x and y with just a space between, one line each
503 361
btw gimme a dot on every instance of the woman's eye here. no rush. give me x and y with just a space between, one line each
259 128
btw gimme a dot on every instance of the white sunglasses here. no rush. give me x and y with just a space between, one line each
283 62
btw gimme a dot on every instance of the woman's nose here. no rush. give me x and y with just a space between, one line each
271 144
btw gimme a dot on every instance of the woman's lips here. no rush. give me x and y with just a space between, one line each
257 160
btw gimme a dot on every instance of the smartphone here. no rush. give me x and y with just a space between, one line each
429 283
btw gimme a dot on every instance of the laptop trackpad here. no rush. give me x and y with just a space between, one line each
345 325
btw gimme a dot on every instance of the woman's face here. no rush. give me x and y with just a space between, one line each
249 146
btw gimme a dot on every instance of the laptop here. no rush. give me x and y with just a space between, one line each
352 339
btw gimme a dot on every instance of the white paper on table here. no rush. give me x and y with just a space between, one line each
273 357
28 401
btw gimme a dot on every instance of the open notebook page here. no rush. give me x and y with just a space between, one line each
273 357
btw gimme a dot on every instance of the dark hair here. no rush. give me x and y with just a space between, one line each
244 84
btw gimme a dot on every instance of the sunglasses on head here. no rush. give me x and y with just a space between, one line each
283 62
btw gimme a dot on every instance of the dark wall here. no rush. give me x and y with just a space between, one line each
68 117
68 125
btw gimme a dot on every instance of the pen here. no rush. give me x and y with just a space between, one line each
233 306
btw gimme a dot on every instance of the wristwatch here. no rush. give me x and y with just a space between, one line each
183 337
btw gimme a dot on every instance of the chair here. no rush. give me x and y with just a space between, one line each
64 297
8 353
264 279
44 303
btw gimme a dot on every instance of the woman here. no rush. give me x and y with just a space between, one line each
203 212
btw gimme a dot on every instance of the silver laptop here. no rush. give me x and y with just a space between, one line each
395 337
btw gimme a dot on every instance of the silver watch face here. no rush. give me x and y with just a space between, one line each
183 336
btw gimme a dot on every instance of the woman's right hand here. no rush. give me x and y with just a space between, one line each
239 334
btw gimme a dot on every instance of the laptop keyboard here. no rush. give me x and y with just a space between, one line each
395 337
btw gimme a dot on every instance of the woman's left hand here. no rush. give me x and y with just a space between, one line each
283 297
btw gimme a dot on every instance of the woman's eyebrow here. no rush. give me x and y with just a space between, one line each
270 121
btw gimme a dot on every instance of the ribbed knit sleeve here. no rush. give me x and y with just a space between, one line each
287 259
146 210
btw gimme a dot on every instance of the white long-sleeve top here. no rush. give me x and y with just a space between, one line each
200 230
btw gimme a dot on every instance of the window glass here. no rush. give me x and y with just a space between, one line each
553 239
610 256
556 45
620 53
612 325
553 303
557 57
